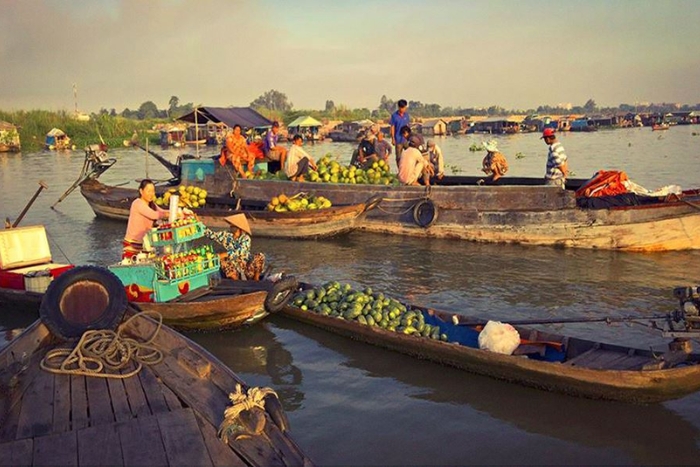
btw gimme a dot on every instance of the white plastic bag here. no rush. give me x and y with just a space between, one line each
499 338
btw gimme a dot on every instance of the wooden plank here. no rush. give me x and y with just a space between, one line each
152 389
136 397
36 412
141 442
182 439
9 420
99 405
17 453
120 403
79 403
61 403
220 452
59 449
171 399
99 445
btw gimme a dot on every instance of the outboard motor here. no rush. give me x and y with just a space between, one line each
685 322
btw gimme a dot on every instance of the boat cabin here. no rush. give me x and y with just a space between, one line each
25 259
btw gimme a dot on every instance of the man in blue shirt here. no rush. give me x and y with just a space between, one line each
399 119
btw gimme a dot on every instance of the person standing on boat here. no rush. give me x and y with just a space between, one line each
238 262
271 149
557 166
399 119
142 215
298 161
494 164
436 159
413 166
237 151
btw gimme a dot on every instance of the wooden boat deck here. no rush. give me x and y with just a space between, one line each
167 414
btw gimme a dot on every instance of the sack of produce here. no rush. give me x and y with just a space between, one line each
499 338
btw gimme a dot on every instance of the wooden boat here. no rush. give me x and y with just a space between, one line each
660 126
544 360
516 210
114 203
166 414
228 305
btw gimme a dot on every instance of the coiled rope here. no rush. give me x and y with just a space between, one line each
104 353
242 401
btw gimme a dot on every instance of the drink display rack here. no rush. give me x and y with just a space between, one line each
175 269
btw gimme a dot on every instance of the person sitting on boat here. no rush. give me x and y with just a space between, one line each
142 215
413 166
365 154
272 150
298 161
237 151
436 159
557 166
382 147
238 262
494 164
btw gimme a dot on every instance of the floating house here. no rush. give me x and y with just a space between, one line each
215 122
497 125
173 135
434 127
57 139
9 137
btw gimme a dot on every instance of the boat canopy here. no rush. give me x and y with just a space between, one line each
304 122
243 116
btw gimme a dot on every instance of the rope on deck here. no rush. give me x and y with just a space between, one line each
104 353
241 402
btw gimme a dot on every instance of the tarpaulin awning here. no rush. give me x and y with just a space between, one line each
230 116
304 122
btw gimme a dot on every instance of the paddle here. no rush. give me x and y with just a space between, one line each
42 185
467 321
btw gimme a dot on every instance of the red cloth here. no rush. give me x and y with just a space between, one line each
256 147
604 183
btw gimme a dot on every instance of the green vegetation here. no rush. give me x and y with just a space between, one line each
34 124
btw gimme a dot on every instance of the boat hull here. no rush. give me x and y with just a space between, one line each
114 203
526 214
214 314
636 386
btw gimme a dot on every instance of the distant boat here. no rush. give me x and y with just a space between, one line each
660 126
58 139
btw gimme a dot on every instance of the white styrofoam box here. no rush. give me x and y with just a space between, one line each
24 246
37 283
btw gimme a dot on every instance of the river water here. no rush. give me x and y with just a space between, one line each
353 404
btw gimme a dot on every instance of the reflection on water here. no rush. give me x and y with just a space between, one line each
353 404
255 353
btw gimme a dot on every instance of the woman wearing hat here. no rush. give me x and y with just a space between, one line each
494 164
238 262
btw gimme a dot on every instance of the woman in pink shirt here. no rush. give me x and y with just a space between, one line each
142 215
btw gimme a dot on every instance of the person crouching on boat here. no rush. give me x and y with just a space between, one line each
436 159
142 215
413 166
557 166
298 161
238 262
494 164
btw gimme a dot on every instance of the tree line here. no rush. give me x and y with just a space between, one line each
275 105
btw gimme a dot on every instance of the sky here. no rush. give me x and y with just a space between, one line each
455 53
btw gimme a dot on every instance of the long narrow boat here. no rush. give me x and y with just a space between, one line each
227 305
166 414
516 210
114 203
543 360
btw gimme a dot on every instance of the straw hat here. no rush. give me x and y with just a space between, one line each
491 146
239 221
